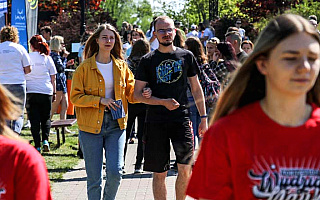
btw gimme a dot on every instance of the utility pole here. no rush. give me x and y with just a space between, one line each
82 24
213 9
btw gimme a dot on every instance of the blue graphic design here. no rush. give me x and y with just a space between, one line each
3 9
169 71
18 20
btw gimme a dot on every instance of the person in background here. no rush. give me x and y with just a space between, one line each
224 62
14 64
193 32
247 46
178 40
41 91
46 32
185 30
264 135
90 27
154 43
208 33
102 78
211 48
194 45
137 110
23 172
241 30
177 24
235 39
83 40
57 46
136 34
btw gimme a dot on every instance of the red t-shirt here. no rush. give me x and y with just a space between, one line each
246 155
23 173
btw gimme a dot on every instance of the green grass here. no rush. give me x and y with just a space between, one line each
60 159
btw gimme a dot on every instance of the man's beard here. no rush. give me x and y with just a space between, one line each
165 44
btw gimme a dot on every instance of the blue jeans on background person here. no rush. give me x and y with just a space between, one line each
112 140
19 91
195 119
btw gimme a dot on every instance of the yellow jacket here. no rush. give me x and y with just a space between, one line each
88 87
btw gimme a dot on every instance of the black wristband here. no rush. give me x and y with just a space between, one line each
204 116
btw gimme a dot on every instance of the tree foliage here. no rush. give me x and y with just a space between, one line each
134 12
257 9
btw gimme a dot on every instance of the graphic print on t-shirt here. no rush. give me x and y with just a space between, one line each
169 71
2 189
294 180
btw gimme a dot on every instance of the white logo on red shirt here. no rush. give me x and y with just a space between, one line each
282 183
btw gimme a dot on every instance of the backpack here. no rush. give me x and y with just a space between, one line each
210 85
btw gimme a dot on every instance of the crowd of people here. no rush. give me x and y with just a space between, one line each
255 96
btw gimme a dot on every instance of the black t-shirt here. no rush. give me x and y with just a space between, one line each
166 74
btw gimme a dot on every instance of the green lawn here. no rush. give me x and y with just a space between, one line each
60 159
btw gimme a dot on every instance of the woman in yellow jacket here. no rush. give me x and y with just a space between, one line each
102 78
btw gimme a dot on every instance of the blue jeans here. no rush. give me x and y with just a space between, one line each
112 140
19 91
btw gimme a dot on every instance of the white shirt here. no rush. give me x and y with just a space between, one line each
207 32
242 32
39 80
13 58
155 44
193 33
107 73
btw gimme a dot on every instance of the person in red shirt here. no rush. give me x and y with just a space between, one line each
23 173
264 138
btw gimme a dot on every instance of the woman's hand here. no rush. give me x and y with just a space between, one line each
70 62
216 56
109 103
146 92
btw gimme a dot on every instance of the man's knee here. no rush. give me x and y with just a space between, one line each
184 170
159 176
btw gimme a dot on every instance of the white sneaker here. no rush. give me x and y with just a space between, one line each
138 171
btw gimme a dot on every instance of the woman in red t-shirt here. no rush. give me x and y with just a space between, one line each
23 172
265 133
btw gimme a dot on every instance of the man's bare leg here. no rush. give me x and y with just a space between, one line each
184 172
159 186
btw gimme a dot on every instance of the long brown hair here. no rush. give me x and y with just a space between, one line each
8 112
140 48
248 85
195 46
92 46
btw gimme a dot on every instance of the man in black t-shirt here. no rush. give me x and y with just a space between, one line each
167 71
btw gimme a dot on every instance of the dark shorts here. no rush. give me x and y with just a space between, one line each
157 138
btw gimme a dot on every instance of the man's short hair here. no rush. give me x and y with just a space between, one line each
47 29
161 18
235 35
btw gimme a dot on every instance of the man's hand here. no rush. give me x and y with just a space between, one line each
171 104
203 126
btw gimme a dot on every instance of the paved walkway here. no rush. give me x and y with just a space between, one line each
133 186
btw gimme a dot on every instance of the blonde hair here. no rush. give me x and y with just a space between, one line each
9 33
248 85
56 43
9 111
92 46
